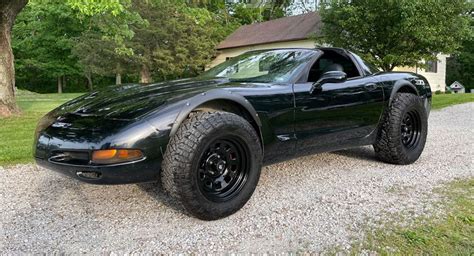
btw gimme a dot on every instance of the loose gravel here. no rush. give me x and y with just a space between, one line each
307 204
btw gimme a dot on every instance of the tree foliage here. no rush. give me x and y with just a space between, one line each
395 33
93 7
43 40
460 66
248 12
176 40
48 32
87 43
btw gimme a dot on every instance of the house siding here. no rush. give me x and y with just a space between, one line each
437 80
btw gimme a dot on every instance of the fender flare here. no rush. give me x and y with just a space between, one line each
215 94
399 84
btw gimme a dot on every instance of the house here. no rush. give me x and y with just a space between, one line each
457 87
434 71
297 32
288 32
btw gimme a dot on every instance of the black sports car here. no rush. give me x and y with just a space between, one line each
206 138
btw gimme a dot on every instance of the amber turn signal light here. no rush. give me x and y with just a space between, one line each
114 156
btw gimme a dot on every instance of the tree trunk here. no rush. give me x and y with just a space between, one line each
118 74
60 85
90 86
64 82
8 11
118 79
145 75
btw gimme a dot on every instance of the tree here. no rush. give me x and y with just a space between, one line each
102 48
98 56
276 9
90 8
179 40
248 12
173 40
42 42
9 9
395 33
460 66
246 15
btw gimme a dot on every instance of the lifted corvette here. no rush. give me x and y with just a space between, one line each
206 139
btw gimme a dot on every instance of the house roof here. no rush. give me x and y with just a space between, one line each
456 85
291 28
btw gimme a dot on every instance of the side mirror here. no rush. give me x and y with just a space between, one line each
329 77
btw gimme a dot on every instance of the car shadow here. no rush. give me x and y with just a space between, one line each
156 191
361 153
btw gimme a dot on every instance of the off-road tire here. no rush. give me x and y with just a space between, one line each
184 154
389 146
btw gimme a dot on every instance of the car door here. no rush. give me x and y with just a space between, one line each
274 105
339 114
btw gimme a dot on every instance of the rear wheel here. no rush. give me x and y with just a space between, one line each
212 164
402 135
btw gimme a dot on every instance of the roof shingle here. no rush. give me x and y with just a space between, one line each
285 29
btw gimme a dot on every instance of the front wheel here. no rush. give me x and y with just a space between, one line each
402 135
212 165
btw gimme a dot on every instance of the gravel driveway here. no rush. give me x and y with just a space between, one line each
307 204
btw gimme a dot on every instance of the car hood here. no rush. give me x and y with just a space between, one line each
132 101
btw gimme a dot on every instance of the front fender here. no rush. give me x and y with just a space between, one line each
216 94
169 118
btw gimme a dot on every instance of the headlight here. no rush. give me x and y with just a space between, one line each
114 156
44 123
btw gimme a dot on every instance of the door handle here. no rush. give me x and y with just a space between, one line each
370 86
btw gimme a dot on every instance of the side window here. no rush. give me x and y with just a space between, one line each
332 61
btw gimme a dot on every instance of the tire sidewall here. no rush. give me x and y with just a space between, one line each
254 151
412 154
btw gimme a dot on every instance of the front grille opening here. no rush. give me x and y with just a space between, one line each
70 157
89 175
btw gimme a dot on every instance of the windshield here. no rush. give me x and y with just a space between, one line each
275 66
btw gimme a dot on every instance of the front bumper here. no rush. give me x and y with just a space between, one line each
427 105
135 172
82 135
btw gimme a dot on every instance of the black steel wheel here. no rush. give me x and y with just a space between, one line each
411 129
402 134
212 165
223 168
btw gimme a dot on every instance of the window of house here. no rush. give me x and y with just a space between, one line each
432 66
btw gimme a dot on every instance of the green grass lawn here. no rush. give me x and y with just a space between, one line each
16 133
452 234
445 100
